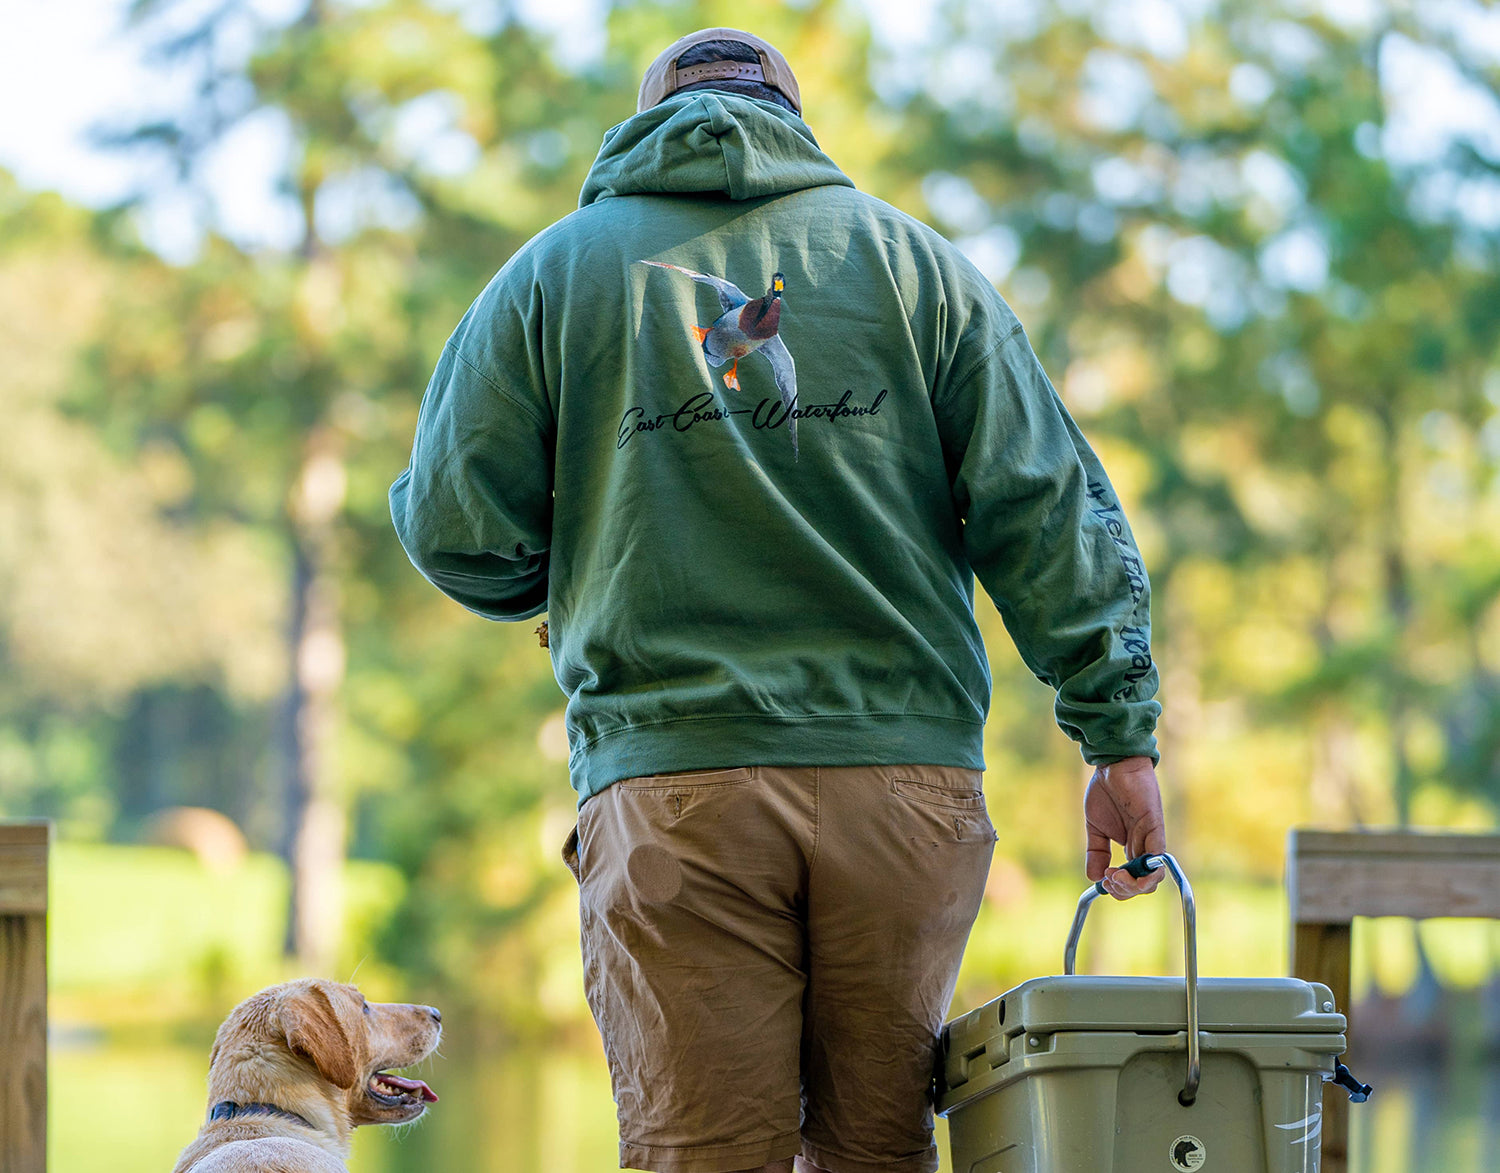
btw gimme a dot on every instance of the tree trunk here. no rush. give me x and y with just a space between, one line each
1398 605
313 842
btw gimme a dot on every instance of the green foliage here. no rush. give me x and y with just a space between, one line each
1285 357
162 935
1302 444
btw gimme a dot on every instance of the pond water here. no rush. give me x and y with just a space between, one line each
549 1111
1427 1118
514 1112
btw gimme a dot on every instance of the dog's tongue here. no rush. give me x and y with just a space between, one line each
415 1086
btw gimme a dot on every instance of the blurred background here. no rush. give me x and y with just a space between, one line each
1255 242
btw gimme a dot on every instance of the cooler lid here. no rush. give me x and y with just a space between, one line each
1239 1005
977 1048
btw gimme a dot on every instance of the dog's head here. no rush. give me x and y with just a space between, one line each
319 1049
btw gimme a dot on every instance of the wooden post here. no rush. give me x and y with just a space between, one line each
1334 876
1321 953
23 997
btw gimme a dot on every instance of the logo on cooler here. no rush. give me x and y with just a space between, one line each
1188 1154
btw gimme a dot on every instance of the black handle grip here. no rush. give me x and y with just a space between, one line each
1136 867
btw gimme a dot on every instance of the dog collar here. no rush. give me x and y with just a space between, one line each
228 1110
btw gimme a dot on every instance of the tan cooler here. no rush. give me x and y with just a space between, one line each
1099 1075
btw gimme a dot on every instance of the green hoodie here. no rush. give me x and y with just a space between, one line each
728 581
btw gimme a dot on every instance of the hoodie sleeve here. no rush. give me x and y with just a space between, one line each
474 508
1045 534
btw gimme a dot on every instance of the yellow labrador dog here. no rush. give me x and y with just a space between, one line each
297 1068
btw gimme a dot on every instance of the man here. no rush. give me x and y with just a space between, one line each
747 435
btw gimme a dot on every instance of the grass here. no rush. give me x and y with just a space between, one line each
150 937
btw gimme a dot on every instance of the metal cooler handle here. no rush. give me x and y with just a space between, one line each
1143 865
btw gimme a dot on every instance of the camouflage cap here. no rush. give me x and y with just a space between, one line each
664 78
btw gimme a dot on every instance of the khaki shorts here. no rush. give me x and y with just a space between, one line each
770 953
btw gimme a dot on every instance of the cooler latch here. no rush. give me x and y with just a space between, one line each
1358 1092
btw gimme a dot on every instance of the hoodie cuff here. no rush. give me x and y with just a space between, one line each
1108 755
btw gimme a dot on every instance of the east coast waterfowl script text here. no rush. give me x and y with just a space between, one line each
706 408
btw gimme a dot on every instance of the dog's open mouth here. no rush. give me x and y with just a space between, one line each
395 1090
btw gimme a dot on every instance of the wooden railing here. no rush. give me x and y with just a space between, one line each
23 997
1334 876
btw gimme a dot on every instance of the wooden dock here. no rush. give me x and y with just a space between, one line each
1334 876
23 996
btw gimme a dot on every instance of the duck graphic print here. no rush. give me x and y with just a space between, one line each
747 326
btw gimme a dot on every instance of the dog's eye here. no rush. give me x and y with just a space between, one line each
366 1008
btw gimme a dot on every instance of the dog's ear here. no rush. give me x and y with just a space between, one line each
315 1030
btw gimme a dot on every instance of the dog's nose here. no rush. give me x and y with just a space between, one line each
437 1015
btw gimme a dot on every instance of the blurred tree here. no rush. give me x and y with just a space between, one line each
103 595
421 153
1280 347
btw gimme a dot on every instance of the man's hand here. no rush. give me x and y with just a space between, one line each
1123 805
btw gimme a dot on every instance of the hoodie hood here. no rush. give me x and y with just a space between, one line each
709 141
